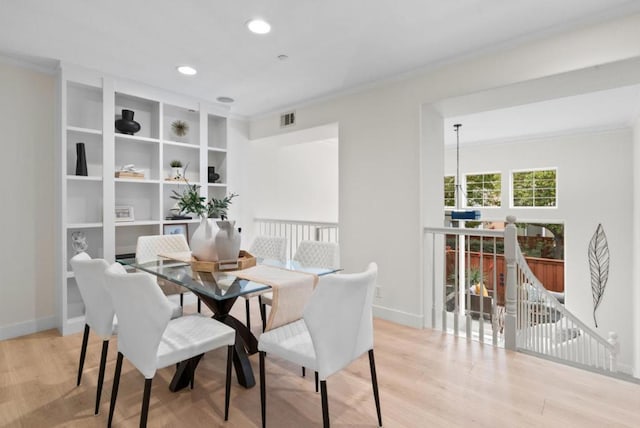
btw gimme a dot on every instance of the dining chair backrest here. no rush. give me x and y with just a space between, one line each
270 247
347 332
318 254
143 313
99 311
148 247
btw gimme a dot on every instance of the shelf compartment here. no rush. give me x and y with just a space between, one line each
145 157
93 150
84 201
189 116
219 161
94 239
217 132
127 237
142 197
84 106
190 160
146 113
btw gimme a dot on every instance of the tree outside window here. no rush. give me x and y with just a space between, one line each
449 191
484 190
534 188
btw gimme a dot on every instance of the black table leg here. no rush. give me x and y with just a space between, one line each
246 344
184 373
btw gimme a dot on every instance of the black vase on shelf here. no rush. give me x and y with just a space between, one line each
81 160
212 176
127 125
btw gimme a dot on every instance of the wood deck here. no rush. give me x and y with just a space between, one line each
426 378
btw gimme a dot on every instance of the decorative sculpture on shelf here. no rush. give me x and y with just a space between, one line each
81 160
79 242
126 124
599 266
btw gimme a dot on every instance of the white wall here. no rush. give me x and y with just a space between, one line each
295 181
291 177
28 216
381 199
594 173
636 245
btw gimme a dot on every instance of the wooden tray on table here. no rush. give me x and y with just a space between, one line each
245 260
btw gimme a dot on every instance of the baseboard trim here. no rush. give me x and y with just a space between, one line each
399 317
27 327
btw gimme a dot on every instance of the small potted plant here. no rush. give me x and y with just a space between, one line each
177 172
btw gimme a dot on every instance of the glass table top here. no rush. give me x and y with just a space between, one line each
217 285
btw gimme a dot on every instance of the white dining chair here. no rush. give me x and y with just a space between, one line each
269 248
99 312
312 254
151 340
327 343
147 250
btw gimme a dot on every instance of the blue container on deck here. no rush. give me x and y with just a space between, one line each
465 215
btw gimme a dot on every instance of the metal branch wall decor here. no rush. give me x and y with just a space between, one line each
599 266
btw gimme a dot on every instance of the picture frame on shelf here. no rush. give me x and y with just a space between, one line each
124 213
176 229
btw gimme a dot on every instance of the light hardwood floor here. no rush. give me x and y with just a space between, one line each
426 378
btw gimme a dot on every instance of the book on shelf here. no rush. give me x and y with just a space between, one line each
129 174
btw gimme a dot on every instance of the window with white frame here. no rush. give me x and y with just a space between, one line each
449 191
483 190
534 188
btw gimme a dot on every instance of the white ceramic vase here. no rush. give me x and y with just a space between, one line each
227 241
203 241
177 172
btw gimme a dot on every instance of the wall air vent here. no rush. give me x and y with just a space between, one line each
287 119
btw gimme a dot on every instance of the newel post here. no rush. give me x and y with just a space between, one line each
510 242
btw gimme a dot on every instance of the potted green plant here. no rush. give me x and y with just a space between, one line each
176 169
211 241
217 208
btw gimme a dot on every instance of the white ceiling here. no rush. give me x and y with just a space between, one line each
613 108
333 45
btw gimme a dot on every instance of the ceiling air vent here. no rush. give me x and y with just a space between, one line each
287 119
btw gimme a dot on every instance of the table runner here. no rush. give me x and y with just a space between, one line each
291 291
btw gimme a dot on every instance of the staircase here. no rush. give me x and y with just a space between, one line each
532 320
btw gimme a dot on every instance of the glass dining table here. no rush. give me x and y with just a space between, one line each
218 291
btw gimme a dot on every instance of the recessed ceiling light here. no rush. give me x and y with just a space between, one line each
258 26
225 99
187 71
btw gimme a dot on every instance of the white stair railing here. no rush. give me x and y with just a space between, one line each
532 319
297 230
545 327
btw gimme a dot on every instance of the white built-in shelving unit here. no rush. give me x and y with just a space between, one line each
89 104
